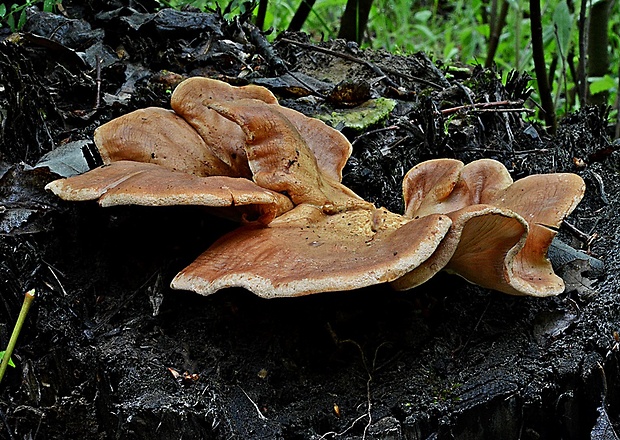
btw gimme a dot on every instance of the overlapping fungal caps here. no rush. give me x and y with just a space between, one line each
147 184
236 149
238 152
331 240
501 230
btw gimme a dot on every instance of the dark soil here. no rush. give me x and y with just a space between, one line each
109 351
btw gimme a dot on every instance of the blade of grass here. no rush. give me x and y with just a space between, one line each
28 298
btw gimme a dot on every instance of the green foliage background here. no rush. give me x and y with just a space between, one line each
458 31
451 31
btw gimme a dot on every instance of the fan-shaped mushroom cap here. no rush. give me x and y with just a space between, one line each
540 202
544 201
446 185
156 135
306 251
207 90
330 147
479 246
281 161
135 183
191 100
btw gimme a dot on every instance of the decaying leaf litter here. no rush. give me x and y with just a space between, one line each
446 358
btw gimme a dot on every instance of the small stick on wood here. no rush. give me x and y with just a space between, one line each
98 79
265 48
345 56
378 130
486 105
504 110
373 67
601 186
260 414
306 85
582 236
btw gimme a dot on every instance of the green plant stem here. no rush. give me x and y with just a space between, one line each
353 21
496 26
538 52
16 330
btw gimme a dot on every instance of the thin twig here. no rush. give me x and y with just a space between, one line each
584 237
413 78
373 67
504 110
484 105
306 85
601 186
347 429
53 272
98 97
260 414
345 56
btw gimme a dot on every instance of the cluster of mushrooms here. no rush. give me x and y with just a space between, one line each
278 172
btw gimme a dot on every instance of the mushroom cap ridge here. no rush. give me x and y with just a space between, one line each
192 97
136 183
159 136
306 251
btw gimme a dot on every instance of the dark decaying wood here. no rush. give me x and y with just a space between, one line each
109 351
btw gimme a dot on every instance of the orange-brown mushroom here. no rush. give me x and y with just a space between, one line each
191 100
307 251
471 193
314 234
482 241
156 135
446 185
135 183
330 147
280 159
544 201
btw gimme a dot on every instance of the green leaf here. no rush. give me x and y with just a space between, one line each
2 10
422 16
10 20
22 19
11 363
602 84
48 5
563 23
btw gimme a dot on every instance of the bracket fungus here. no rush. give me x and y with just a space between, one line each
145 184
159 136
237 151
501 229
307 251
